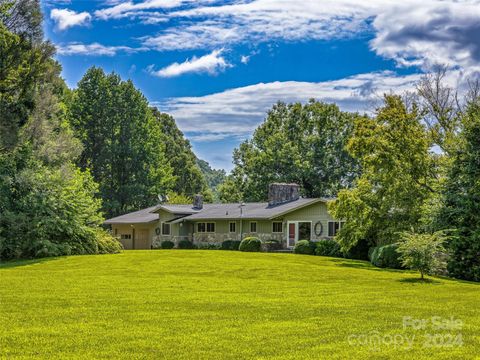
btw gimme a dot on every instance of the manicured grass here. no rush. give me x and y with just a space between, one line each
189 304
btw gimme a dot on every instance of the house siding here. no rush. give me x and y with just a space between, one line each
315 213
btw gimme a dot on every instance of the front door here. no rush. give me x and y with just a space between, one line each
298 230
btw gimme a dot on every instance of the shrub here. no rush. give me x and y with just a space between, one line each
230 245
359 251
250 244
305 247
167 244
386 256
186 244
328 247
235 245
208 246
422 252
107 244
271 245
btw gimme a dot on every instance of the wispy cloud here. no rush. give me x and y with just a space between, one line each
94 49
210 63
65 18
239 111
131 9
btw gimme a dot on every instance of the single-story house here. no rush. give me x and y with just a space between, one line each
286 217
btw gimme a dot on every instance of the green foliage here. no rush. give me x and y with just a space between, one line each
25 62
174 198
271 245
250 244
305 247
186 244
50 212
123 142
422 252
398 169
47 205
359 251
386 256
460 208
167 244
213 177
230 191
209 246
188 177
297 143
230 245
107 244
328 247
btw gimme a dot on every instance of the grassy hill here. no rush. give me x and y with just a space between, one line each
184 304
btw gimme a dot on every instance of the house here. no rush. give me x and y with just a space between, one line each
286 217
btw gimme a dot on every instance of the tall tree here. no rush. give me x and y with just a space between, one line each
397 174
123 142
461 199
47 205
189 179
297 143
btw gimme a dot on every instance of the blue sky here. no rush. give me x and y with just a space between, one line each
218 66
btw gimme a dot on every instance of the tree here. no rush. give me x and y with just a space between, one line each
213 177
189 179
230 191
461 199
47 205
422 252
297 143
123 142
397 174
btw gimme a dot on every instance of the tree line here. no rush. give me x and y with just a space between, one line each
411 166
68 158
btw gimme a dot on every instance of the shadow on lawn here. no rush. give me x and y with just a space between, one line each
18 263
420 281
361 264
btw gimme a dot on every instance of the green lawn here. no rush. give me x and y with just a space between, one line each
186 304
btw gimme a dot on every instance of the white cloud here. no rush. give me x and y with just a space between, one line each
430 33
130 9
210 63
244 59
239 111
94 49
65 18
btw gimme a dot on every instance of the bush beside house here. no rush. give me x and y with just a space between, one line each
328 247
305 247
250 244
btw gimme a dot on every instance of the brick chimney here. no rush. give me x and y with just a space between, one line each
198 202
279 193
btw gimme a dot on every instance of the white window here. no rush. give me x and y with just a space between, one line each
233 227
126 236
166 229
334 227
253 226
277 227
208 227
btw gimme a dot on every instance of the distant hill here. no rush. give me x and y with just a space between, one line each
213 177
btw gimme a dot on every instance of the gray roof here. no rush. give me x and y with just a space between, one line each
136 217
215 211
249 211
